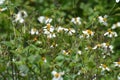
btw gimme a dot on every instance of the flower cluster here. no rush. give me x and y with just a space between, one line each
67 46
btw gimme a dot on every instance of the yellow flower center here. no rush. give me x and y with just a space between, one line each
67 52
54 44
35 39
98 45
116 25
43 58
89 47
109 31
107 44
48 26
104 19
46 18
89 31
69 29
104 66
118 63
57 75
76 20
34 29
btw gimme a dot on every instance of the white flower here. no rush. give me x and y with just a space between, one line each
105 53
59 29
114 26
13 60
34 31
53 45
107 48
39 42
117 64
48 29
103 20
79 72
117 1
88 48
71 31
88 33
67 52
51 35
44 59
110 34
43 19
19 17
79 52
104 67
97 46
2 1
57 76
3 9
106 45
118 77
76 20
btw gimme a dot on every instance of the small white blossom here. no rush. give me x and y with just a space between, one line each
57 76
19 17
107 48
76 20
13 60
43 19
2 1
59 29
117 64
110 34
53 45
105 53
79 52
118 77
3 9
66 52
44 59
71 31
34 31
79 72
88 33
117 1
88 48
48 29
97 46
104 67
51 35
103 20
106 45
81 36
114 26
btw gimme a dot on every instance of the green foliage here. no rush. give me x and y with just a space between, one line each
27 56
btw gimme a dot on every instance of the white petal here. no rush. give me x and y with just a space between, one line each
54 72
117 1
